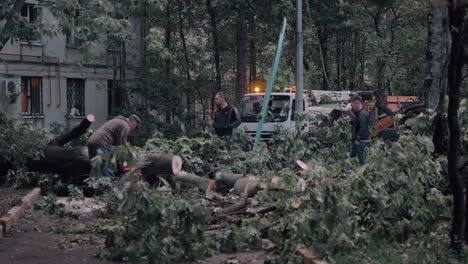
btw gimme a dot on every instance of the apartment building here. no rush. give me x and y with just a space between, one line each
43 80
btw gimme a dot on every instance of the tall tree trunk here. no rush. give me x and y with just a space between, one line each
362 63
458 25
216 48
242 55
115 85
354 59
187 67
346 55
381 78
436 57
439 137
338 61
5 33
143 28
124 94
252 48
323 39
167 44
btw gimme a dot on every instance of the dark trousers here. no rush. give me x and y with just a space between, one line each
227 142
359 151
92 152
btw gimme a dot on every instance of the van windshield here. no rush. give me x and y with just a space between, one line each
277 111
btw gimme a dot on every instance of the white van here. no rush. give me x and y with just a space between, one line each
280 112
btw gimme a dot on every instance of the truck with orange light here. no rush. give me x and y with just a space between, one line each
280 112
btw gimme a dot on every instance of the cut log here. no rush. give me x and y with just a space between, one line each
274 180
226 181
189 180
76 131
210 190
301 185
300 167
73 164
159 180
308 257
247 187
241 205
154 165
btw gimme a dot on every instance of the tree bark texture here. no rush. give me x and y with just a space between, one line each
435 56
458 25
165 165
252 48
439 137
73 164
242 56
239 206
189 180
381 78
77 131
216 48
167 45
322 36
226 181
247 187
188 92
339 55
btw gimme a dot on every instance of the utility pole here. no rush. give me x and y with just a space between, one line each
271 80
299 64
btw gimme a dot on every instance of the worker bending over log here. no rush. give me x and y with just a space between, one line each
113 133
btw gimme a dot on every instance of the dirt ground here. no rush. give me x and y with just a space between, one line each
39 238
31 242
8 196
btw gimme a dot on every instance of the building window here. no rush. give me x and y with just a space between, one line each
31 95
114 98
72 41
32 14
75 96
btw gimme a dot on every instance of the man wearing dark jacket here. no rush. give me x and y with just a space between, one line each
226 119
360 132
113 133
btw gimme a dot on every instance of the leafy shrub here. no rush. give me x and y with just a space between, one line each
155 227
19 142
346 207
200 155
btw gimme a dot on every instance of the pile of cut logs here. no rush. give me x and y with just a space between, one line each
72 163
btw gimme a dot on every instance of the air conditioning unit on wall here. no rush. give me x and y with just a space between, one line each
10 87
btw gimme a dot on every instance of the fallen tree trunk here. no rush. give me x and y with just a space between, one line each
300 167
152 166
73 164
226 181
76 131
241 205
247 187
189 180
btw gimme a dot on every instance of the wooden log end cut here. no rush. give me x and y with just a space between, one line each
176 164
300 167
91 118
